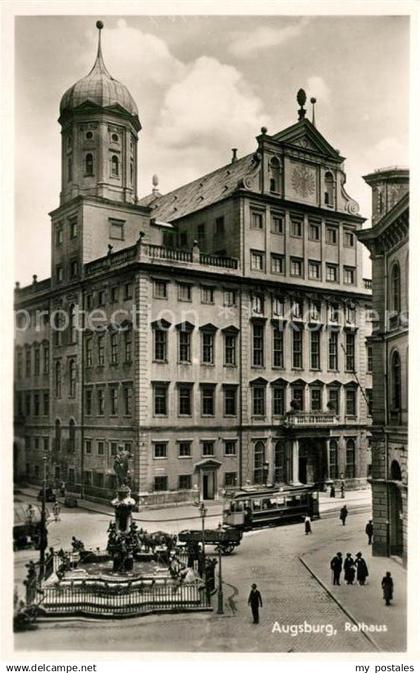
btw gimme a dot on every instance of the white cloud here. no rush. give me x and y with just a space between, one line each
318 88
244 44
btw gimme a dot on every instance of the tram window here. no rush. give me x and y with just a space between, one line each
238 506
266 504
257 505
273 503
280 502
291 501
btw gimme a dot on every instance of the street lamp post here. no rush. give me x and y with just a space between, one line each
203 512
220 587
43 541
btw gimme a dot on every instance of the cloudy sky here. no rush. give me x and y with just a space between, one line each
204 85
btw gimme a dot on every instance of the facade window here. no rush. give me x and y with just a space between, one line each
89 164
98 479
296 227
350 459
46 358
57 381
128 400
279 463
315 311
207 294
183 239
259 457
72 436
201 235
89 301
69 168
396 381
46 403
316 399
101 298
329 189
160 289
128 291
296 267
19 364
230 349
73 227
348 276
114 348
348 239
298 398
184 346
88 402
314 270
230 479
184 449
184 482
257 345
184 292
229 297
258 400
27 404
160 403
315 349
278 306
314 231
207 448
207 348
275 175
59 273
220 225
184 400
258 303
113 449
257 220
350 401
257 261
334 400
278 347
277 224
101 349
89 359
351 314
207 400
369 350
278 401
332 273
230 447
100 448
115 166
333 351
277 264
297 349
161 483
334 313
36 404
128 345
28 362
37 360
101 401
396 288
72 378
59 235
333 455
350 359
160 450
229 400
369 401
72 325
332 235
161 345
297 309
113 399
116 229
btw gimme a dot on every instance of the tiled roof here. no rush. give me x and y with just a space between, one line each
201 192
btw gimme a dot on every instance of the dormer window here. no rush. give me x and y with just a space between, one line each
115 166
275 175
89 164
329 189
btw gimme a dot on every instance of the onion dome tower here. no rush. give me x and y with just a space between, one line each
99 127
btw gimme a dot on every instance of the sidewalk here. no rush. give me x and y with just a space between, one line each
365 604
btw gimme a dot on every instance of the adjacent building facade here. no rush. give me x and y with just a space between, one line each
387 241
217 332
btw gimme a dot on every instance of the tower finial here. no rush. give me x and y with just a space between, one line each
301 99
99 25
313 101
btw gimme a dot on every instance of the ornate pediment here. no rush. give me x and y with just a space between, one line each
306 136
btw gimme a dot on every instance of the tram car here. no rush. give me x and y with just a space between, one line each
27 525
252 507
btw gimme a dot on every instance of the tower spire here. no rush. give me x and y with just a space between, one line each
313 101
99 65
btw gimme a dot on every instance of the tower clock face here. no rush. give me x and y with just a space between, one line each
303 181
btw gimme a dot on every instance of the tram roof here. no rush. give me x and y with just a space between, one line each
250 491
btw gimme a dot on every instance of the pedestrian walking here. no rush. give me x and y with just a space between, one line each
30 513
388 588
56 511
255 601
336 566
63 489
369 531
332 491
361 569
349 569
342 489
308 527
344 514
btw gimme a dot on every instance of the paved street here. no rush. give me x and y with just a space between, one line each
269 557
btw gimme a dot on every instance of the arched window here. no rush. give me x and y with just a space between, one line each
350 459
58 380
89 164
259 452
396 381
333 453
72 378
396 471
115 166
396 288
72 324
329 189
275 182
72 436
279 463
57 435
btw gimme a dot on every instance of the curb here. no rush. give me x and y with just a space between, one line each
340 605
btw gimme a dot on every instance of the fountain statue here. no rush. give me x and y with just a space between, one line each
121 466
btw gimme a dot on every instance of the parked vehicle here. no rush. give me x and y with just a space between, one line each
26 525
226 537
49 494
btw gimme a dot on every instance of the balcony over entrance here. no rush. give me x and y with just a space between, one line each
310 419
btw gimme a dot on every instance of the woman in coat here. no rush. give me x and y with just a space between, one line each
388 588
362 569
349 569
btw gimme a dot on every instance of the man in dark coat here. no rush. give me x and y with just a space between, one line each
255 601
388 588
336 566
362 569
343 514
349 569
369 531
